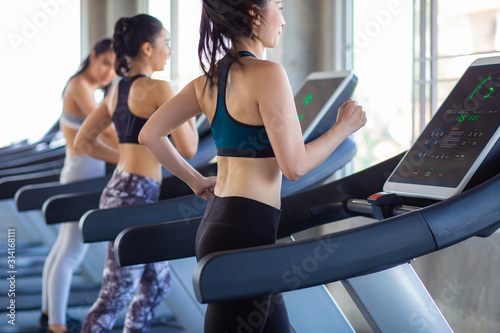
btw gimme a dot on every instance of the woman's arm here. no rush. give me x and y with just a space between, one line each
110 137
279 114
186 139
181 108
82 96
109 134
87 140
84 100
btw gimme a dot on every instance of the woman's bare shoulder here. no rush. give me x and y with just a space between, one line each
78 97
200 83
151 85
202 87
154 92
75 86
263 74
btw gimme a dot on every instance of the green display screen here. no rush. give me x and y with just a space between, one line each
465 117
457 133
307 99
313 96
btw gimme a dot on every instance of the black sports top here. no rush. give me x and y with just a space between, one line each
233 138
127 124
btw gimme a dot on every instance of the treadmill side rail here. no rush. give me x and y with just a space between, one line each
302 264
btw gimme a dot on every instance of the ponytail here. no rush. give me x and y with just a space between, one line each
129 36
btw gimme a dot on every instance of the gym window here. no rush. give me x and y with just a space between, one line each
38 56
182 19
382 60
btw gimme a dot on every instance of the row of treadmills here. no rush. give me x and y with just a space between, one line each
442 191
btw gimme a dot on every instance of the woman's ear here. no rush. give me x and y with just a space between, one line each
147 49
92 56
256 17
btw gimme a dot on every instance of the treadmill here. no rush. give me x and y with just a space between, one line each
41 163
442 191
40 153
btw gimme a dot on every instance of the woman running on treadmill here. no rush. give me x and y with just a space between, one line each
96 72
141 44
257 133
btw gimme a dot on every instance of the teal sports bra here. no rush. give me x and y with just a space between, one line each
233 138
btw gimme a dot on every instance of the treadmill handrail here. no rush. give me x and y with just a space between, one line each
342 255
146 244
36 158
33 196
105 224
69 207
47 166
11 184
363 206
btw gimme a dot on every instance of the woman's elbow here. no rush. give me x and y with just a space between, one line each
144 138
292 178
293 175
82 146
188 152
188 147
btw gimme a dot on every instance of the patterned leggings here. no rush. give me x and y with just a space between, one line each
120 283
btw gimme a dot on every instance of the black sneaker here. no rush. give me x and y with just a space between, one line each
43 323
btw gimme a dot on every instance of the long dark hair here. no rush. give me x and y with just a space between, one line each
222 23
130 34
102 46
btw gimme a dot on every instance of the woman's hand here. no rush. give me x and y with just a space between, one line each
351 116
205 187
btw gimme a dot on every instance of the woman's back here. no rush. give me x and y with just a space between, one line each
254 178
142 100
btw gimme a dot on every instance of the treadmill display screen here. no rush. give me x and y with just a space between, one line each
457 134
313 96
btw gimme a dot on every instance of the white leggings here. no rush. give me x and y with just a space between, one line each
68 251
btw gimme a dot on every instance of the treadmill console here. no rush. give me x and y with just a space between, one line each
319 98
456 140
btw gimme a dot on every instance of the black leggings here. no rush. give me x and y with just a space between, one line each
233 223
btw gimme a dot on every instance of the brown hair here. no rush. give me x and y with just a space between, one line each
130 33
222 23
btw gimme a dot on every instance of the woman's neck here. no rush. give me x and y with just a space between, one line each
92 82
250 45
139 66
